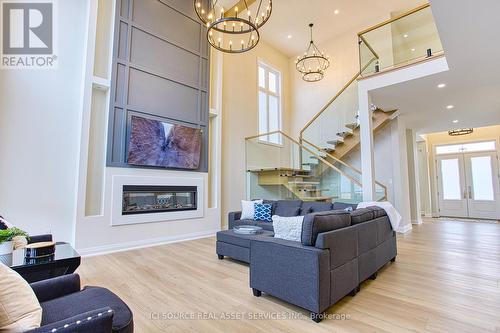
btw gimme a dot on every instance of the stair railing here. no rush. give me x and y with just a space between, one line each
350 167
413 37
287 158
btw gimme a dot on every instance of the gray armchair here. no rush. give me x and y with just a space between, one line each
69 309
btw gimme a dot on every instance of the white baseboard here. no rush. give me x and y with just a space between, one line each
417 221
127 246
428 215
404 229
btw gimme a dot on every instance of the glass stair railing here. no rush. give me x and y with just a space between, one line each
407 38
312 168
351 171
294 171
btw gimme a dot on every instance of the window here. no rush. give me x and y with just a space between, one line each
466 148
269 103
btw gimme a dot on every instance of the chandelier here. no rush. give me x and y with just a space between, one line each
461 131
313 63
235 30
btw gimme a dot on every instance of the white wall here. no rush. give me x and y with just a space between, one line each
40 117
240 116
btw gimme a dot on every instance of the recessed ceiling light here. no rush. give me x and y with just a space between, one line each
336 11
441 85
455 121
412 50
449 107
405 35
289 36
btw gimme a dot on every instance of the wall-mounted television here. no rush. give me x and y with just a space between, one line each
161 144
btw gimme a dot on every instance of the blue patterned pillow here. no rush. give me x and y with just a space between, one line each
262 212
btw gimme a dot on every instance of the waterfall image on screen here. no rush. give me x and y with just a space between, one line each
161 144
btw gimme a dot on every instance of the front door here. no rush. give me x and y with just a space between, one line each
482 185
468 185
452 186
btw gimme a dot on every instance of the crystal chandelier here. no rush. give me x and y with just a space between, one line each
313 63
235 30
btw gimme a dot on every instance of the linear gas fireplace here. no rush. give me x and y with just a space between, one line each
143 199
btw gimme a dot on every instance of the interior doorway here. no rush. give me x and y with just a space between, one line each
468 180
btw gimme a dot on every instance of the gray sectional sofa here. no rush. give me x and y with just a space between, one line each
338 251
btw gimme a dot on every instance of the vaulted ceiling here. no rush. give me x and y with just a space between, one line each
291 18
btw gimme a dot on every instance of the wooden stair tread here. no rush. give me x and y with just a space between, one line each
313 190
322 198
303 183
352 126
276 169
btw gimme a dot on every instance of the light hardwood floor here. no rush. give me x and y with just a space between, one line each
446 279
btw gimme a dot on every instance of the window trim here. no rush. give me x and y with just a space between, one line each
466 143
278 94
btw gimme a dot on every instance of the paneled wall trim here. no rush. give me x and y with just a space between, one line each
160 71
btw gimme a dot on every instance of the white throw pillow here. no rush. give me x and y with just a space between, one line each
289 228
248 209
20 310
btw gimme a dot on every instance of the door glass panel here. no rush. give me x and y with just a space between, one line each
482 180
450 175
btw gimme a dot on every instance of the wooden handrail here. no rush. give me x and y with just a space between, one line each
310 151
336 96
395 18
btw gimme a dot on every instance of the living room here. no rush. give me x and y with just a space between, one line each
249 166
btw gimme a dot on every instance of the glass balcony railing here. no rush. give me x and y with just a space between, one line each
404 39
296 171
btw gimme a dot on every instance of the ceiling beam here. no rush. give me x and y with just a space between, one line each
241 7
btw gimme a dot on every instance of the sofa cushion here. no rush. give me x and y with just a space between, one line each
377 211
316 223
262 212
343 205
248 208
289 228
88 299
361 215
314 207
272 203
287 208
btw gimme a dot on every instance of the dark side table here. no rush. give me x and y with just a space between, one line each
64 261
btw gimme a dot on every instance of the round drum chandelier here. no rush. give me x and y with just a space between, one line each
233 30
313 63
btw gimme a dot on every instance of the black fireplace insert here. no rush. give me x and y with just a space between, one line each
145 199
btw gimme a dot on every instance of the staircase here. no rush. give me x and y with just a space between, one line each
347 140
314 167
301 183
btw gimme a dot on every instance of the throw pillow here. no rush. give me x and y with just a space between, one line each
262 212
248 209
289 228
20 310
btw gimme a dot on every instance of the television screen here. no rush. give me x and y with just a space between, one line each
161 144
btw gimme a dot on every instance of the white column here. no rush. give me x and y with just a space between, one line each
400 173
367 155
413 177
